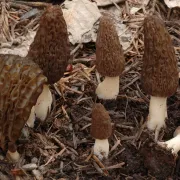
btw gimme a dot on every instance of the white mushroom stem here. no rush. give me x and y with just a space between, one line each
43 105
157 112
101 148
13 156
172 144
32 117
109 88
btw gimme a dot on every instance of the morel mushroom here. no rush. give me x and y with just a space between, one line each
159 71
101 130
109 59
174 143
21 83
50 48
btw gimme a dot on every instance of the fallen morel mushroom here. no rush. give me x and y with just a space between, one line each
101 130
109 59
25 93
159 71
21 83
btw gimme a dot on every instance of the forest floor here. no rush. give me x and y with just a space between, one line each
61 147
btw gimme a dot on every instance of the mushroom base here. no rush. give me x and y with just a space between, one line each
157 114
13 156
101 148
172 144
42 107
109 88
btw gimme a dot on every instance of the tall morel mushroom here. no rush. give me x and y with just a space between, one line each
159 71
50 50
101 130
109 59
21 83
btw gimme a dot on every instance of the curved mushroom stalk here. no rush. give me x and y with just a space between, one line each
109 88
101 148
32 117
157 112
43 105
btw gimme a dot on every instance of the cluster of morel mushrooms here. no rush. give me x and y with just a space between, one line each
24 82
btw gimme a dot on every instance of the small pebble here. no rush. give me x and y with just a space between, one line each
73 157
1 157
25 133
29 167
34 160
70 127
43 169
37 174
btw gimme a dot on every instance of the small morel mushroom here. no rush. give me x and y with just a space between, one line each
101 130
21 83
50 48
109 59
159 71
172 144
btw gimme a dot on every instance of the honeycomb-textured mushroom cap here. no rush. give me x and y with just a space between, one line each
159 71
21 82
101 122
50 48
109 53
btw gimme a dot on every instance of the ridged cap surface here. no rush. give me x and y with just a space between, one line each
21 82
101 122
109 54
50 49
159 71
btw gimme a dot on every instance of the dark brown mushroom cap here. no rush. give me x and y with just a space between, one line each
21 82
159 71
50 48
109 53
101 122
